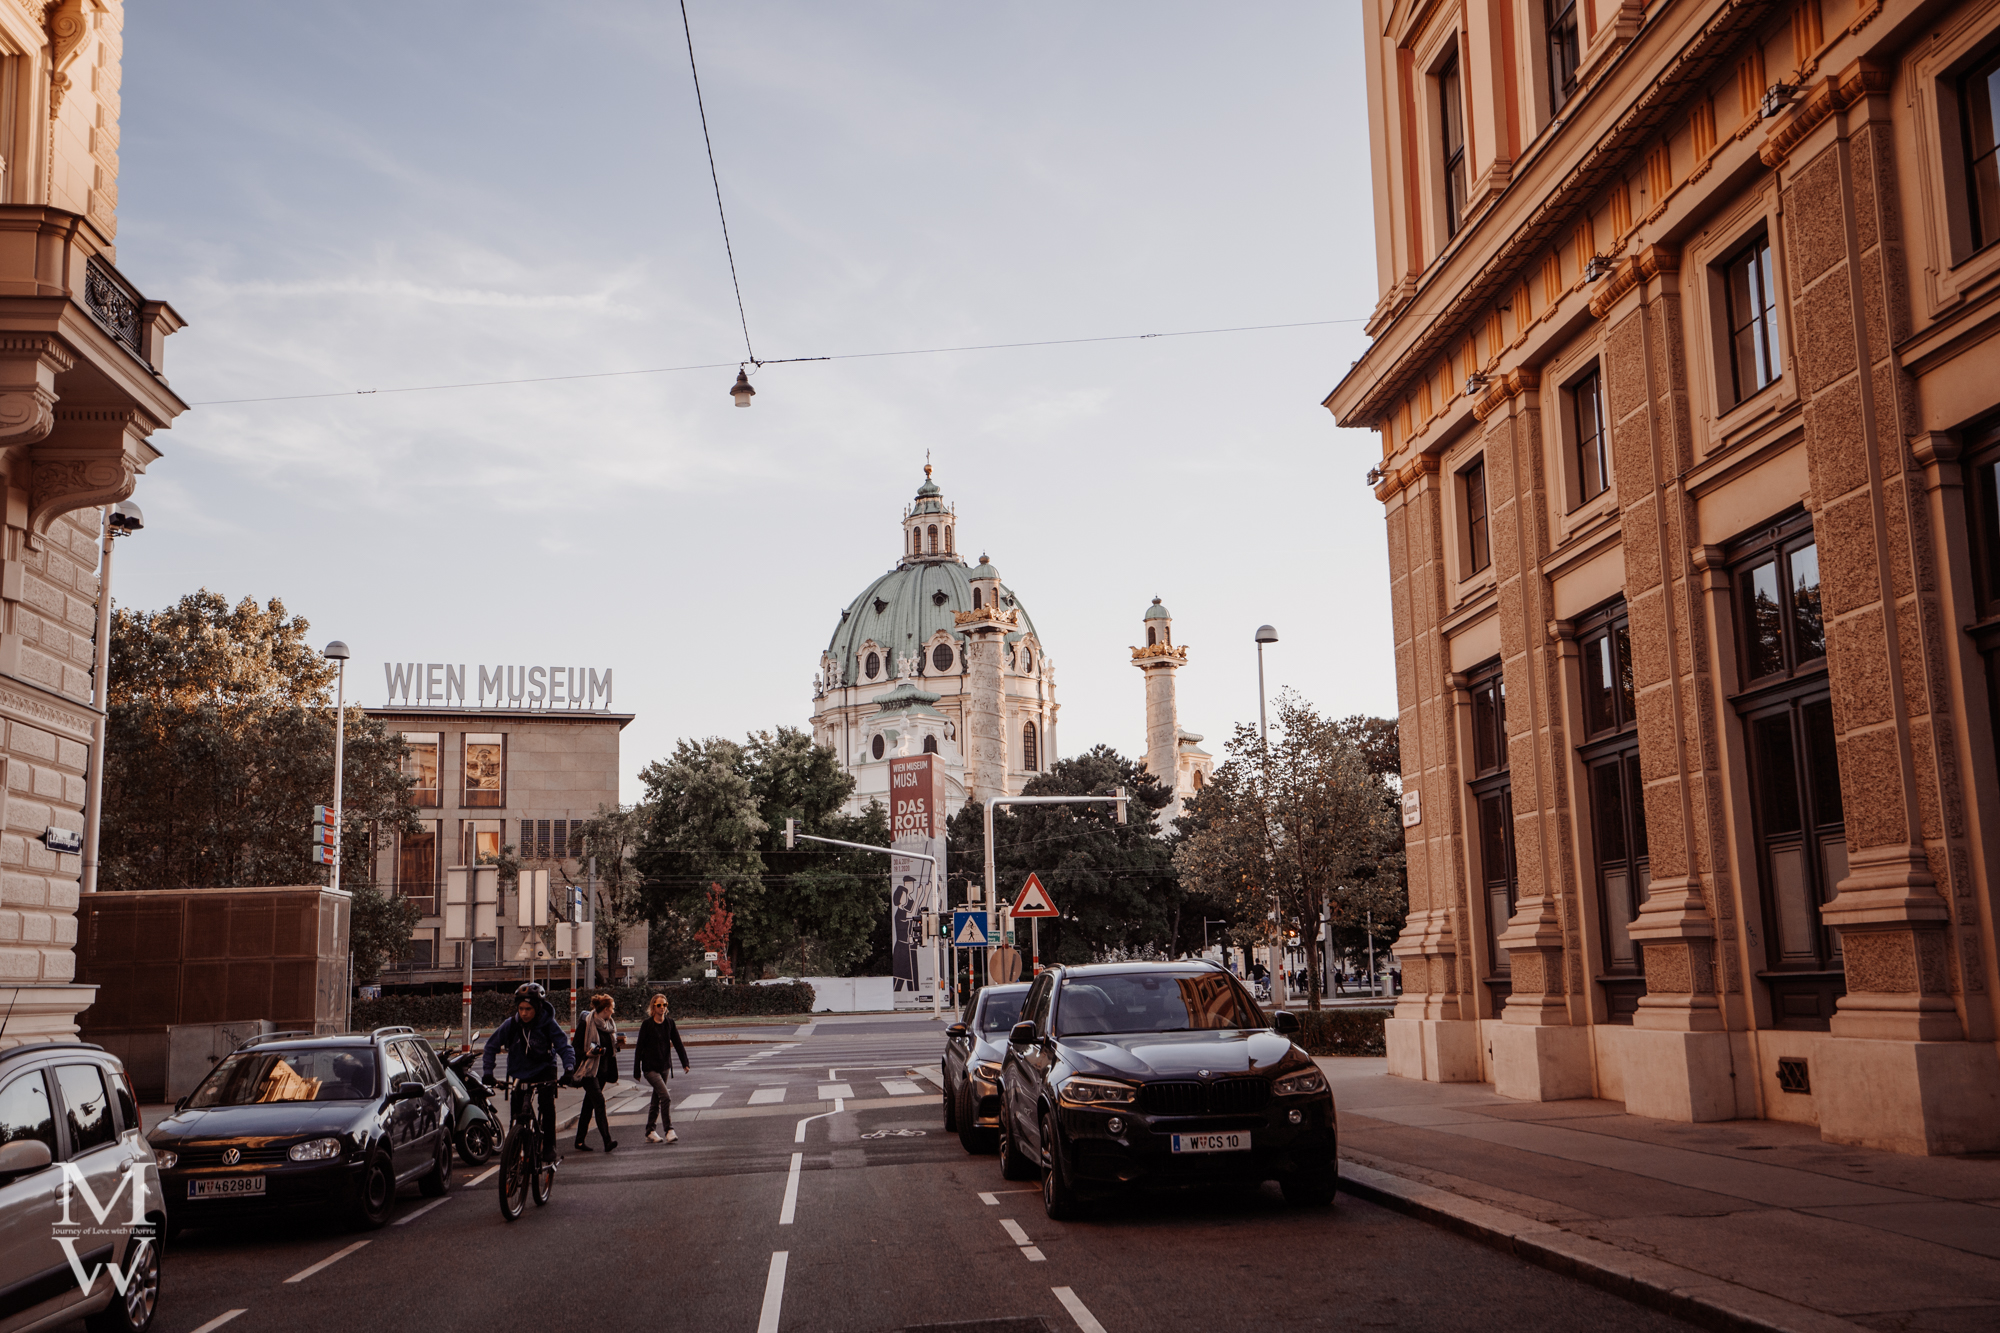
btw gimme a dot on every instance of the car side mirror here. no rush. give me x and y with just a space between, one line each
1285 1023
405 1091
182 1104
956 1030
23 1156
1023 1033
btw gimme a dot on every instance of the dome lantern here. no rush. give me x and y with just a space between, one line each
929 526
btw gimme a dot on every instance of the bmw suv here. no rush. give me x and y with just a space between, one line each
1132 1074
292 1122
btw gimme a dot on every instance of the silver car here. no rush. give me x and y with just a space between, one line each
80 1205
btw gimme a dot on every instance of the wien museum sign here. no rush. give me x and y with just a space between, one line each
444 684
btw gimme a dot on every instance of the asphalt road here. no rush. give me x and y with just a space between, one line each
777 1212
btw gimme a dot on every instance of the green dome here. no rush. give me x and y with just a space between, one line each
984 570
901 611
1158 612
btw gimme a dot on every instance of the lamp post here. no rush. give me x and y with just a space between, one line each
337 652
1267 634
118 520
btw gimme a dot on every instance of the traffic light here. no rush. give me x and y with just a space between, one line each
325 835
791 834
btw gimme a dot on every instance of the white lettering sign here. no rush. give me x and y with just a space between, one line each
443 685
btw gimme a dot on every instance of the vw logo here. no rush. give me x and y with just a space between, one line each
231 1156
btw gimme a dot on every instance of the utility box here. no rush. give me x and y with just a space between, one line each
195 1048
165 958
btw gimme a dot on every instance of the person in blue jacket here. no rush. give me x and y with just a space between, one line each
534 1042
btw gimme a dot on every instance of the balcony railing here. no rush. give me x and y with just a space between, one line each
114 305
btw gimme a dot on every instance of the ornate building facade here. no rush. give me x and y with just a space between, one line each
82 390
1683 369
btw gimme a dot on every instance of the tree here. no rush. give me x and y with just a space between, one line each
1302 820
613 836
704 830
714 934
219 741
1113 883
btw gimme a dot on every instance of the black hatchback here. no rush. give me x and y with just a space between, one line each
295 1123
1132 1074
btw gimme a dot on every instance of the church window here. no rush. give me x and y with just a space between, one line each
877 747
947 539
1027 659
933 536
941 657
1198 779
873 666
975 599
1152 637
930 745
1029 759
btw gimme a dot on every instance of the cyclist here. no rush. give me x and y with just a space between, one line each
534 1041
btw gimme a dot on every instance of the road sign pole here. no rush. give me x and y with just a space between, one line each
1034 946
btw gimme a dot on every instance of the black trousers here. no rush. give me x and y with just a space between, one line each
545 1096
593 1101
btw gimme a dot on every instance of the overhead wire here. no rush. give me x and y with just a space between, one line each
716 180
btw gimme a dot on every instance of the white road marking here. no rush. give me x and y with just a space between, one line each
1085 1320
1013 1230
410 1217
774 1294
327 1262
805 1029
700 1101
219 1321
482 1175
901 1087
828 1091
766 1096
1032 1254
989 1200
791 1204
799 1136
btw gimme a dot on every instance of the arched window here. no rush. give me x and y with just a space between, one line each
1027 659
1029 759
878 746
1152 637
947 539
1197 779
930 745
933 532
975 599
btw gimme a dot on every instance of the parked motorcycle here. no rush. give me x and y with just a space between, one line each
475 1122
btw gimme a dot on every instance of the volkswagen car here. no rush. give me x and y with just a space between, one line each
973 1049
297 1123
1136 1074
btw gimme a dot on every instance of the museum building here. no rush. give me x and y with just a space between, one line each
1683 370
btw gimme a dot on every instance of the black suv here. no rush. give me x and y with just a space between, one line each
1159 1073
296 1122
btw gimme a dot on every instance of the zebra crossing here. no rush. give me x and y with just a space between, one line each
800 1093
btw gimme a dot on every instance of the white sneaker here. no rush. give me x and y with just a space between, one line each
672 1137
653 1136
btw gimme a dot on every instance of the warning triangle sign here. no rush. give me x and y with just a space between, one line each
972 933
1034 899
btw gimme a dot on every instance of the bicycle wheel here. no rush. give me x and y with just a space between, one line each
514 1168
542 1179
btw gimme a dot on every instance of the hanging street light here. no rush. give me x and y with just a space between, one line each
741 391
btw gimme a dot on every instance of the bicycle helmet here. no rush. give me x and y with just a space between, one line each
530 990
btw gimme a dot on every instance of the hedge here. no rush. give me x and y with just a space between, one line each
1343 1031
695 999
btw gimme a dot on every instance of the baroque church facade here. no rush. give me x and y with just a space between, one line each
938 656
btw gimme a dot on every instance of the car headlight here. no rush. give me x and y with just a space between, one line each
1098 1092
988 1070
1309 1081
315 1150
167 1160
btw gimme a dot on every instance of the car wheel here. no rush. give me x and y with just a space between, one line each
950 1105
436 1182
1311 1189
132 1312
1014 1164
375 1193
1059 1197
970 1137
475 1146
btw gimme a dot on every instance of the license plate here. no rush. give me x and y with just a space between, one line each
225 1187
1239 1142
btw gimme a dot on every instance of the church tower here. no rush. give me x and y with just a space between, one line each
986 627
1159 659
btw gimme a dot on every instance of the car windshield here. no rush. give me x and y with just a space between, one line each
1151 1002
317 1074
1002 1012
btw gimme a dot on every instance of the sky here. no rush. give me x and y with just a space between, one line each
374 196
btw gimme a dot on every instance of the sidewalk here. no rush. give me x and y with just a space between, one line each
1746 1224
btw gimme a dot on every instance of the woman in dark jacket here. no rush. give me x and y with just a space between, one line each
659 1039
597 1032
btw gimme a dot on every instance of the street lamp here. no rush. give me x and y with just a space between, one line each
121 519
1267 634
337 651
741 390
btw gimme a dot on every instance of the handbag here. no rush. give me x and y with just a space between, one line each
587 1066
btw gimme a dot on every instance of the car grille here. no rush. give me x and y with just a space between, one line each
1229 1096
210 1154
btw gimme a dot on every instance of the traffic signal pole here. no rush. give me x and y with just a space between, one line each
992 903
793 838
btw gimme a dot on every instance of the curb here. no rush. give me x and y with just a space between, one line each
1699 1298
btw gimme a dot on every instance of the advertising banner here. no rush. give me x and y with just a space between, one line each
916 824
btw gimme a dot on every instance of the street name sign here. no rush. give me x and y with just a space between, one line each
1034 900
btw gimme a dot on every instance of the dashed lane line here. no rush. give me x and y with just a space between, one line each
408 1218
897 1087
767 1096
791 1204
483 1175
327 1262
700 1100
219 1321
828 1091
774 1293
1085 1320
799 1135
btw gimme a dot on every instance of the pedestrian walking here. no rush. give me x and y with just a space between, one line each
597 1043
659 1039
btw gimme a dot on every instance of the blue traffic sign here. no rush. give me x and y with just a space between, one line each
968 929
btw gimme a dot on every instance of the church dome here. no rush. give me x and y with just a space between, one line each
1158 612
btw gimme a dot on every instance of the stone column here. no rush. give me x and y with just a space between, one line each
1898 1077
986 753
1434 1034
1162 722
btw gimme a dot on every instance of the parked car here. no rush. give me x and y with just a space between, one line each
296 1123
1126 1074
973 1049
67 1114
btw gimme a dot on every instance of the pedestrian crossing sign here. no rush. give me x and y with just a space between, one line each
968 929
1034 899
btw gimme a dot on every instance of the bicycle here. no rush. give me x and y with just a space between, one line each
525 1170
